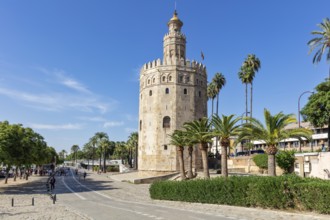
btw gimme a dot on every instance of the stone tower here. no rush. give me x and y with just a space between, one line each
172 92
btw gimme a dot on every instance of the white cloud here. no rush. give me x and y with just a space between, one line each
57 127
112 124
70 83
130 130
94 119
130 117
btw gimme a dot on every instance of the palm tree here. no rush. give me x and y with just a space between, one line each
99 137
212 93
104 145
177 138
133 142
220 81
242 75
322 42
224 128
252 65
199 132
75 149
272 133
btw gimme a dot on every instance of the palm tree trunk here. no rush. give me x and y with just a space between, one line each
190 173
216 138
224 167
100 160
181 164
203 149
271 165
251 95
104 163
246 101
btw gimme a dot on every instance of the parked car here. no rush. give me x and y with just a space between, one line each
259 151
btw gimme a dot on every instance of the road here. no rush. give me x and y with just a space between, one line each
93 198
100 197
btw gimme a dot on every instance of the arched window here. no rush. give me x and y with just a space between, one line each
167 91
164 78
197 81
153 80
180 79
150 93
165 147
187 79
170 78
185 91
199 93
148 81
166 122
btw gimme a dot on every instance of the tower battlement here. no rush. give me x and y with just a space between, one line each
175 61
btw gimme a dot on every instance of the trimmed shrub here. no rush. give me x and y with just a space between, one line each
261 160
285 160
314 196
283 192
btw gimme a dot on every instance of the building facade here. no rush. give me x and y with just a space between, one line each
172 92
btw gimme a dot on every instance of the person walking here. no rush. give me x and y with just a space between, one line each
52 183
85 174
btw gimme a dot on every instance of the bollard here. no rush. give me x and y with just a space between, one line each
55 196
32 201
12 202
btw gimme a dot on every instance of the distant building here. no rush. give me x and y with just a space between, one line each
319 141
172 92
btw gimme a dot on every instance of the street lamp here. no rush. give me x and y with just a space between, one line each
299 112
299 105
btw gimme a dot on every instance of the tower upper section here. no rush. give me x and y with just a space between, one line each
174 46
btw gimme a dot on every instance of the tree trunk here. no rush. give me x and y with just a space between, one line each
216 138
224 167
100 161
271 165
203 148
271 151
190 173
181 164
246 105
104 163
251 93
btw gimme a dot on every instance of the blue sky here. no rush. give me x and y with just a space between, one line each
69 69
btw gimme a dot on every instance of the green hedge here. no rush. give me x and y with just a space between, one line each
284 192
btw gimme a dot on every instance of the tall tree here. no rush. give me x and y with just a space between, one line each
251 65
321 42
317 109
272 133
177 138
212 93
133 145
224 128
219 81
98 138
199 132
75 149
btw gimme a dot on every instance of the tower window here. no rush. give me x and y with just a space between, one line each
180 78
165 147
199 93
166 122
167 91
187 79
170 78
164 78
197 81
185 91
150 93
148 81
153 80
140 125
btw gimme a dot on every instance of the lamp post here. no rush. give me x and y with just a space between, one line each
299 112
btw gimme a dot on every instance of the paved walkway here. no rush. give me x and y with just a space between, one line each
140 193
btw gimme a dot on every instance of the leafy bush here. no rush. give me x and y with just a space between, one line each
283 192
285 160
261 160
113 168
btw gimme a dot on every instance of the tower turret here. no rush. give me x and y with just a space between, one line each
174 41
